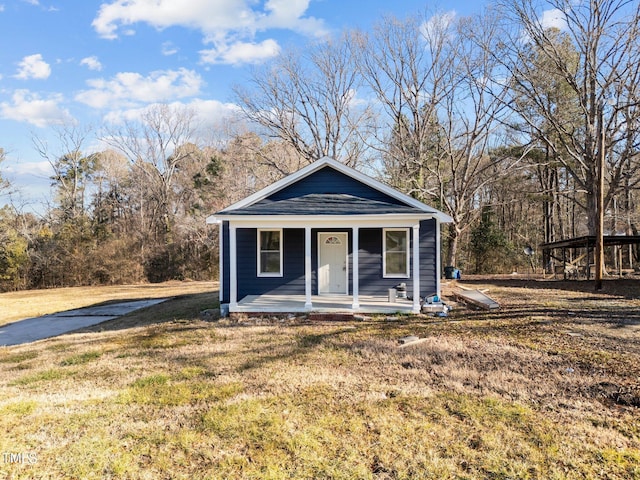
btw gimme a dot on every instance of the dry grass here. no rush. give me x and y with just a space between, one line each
544 388
34 303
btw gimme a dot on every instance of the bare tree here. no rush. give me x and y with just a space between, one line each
112 208
72 168
4 183
307 100
602 78
442 107
408 64
154 145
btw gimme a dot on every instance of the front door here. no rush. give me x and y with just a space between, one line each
332 263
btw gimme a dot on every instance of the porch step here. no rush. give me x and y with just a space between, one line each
330 317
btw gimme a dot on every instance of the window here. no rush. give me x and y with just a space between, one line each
270 253
396 252
332 241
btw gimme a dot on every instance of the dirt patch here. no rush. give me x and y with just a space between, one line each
621 395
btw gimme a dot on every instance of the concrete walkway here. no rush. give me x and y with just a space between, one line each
32 329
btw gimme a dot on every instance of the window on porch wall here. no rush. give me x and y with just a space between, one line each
396 252
270 253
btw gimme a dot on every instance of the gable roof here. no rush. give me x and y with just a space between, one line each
324 204
334 203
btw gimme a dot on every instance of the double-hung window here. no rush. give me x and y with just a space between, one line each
395 245
270 253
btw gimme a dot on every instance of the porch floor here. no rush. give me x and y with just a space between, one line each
321 303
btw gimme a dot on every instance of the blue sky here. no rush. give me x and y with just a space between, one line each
93 62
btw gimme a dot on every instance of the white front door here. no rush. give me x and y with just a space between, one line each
333 268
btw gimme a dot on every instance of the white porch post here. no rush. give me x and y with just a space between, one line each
221 264
438 259
307 268
416 268
356 268
233 268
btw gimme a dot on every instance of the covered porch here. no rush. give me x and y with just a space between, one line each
270 303
304 256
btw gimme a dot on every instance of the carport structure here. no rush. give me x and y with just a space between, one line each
581 253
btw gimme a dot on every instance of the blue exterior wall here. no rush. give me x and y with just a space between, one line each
371 282
292 280
370 263
328 180
428 253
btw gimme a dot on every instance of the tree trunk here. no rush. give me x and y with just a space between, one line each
452 244
592 212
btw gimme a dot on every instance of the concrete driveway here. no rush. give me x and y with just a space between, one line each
32 329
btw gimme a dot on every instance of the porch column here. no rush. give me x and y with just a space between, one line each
307 268
221 263
233 268
438 259
416 268
356 268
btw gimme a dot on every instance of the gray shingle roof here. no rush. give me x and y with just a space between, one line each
324 204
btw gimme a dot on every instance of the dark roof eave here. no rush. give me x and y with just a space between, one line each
581 242
325 218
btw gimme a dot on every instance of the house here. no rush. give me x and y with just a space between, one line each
328 237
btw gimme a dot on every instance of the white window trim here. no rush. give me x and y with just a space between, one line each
384 254
259 257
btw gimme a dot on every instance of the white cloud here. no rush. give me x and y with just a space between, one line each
168 49
92 63
241 52
129 89
29 107
289 14
207 112
1 8
212 111
435 25
553 18
33 66
36 3
37 169
227 24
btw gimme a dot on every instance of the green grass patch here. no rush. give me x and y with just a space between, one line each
311 435
80 359
20 408
49 375
161 390
18 357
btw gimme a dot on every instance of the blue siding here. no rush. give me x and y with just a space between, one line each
371 281
428 252
292 280
329 181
